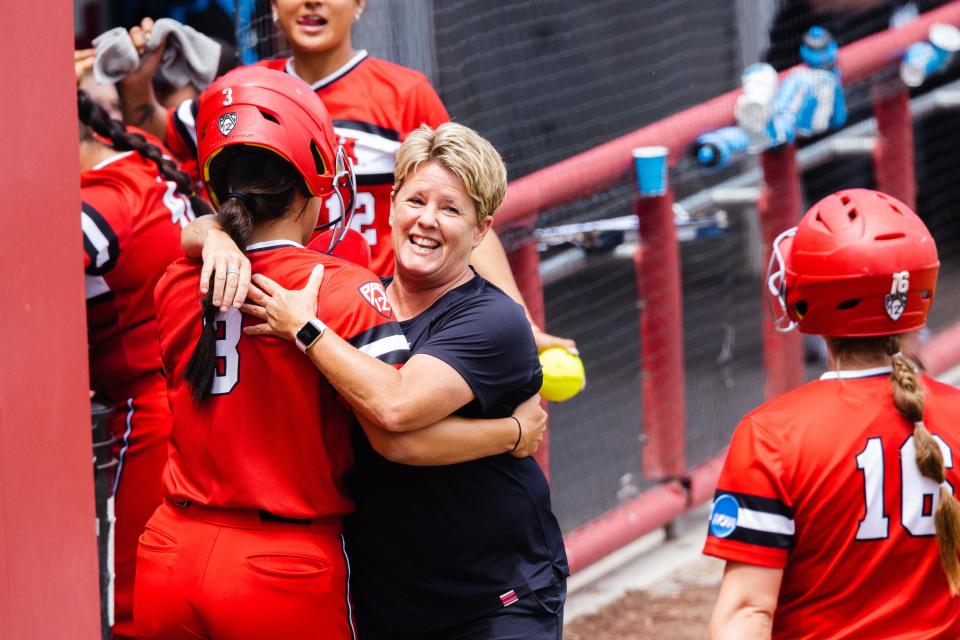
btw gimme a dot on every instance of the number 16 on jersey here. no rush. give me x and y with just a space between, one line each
919 495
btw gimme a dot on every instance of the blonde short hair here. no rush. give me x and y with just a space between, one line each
464 152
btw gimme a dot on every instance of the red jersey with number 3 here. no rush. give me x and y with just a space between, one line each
822 482
374 105
131 219
273 434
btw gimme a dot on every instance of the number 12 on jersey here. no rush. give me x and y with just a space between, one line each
919 495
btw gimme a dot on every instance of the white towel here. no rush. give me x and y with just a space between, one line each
190 57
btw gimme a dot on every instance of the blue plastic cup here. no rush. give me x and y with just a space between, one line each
651 167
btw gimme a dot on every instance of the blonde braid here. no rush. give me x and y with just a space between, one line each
908 396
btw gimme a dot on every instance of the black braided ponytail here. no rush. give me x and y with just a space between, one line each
254 186
97 119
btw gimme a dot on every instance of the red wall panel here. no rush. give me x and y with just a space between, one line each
48 572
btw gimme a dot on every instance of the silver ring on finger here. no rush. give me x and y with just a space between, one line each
232 270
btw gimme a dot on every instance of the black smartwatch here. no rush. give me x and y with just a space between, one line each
310 333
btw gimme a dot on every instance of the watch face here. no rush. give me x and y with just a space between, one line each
308 334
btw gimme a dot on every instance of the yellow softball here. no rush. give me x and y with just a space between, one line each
563 374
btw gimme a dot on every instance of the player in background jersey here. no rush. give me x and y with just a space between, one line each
835 509
374 105
134 204
247 543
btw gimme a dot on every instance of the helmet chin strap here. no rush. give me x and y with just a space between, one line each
776 286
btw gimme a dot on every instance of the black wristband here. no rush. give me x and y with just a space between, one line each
519 433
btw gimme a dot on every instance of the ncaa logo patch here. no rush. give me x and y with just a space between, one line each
376 296
227 122
723 516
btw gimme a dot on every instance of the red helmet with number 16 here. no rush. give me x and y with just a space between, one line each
860 263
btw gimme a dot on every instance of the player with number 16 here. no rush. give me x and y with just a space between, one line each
835 510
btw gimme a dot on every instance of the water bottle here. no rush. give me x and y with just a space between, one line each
716 149
923 59
810 100
754 106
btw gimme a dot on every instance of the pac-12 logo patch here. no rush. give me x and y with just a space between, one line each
723 516
896 300
227 122
376 295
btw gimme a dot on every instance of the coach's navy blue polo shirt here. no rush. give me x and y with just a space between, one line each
434 546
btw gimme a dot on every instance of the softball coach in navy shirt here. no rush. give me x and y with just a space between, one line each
469 550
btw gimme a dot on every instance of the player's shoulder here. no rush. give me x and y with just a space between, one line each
297 262
942 404
941 389
813 391
180 268
346 273
491 297
484 307
183 273
789 411
392 72
121 179
390 79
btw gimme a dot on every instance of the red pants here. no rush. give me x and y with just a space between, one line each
142 425
229 574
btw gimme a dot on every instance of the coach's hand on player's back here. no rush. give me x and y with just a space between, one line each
284 311
533 419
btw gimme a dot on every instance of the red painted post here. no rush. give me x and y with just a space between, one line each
779 209
525 264
48 545
893 155
657 267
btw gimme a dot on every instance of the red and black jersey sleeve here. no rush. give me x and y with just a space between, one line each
105 219
752 516
423 107
353 303
181 136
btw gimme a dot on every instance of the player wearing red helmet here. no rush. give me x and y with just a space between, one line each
835 509
247 543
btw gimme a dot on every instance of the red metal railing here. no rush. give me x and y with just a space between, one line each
779 207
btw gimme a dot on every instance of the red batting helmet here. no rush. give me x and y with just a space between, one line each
272 110
860 263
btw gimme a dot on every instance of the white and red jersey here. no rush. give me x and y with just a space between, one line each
374 105
273 434
131 219
823 483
